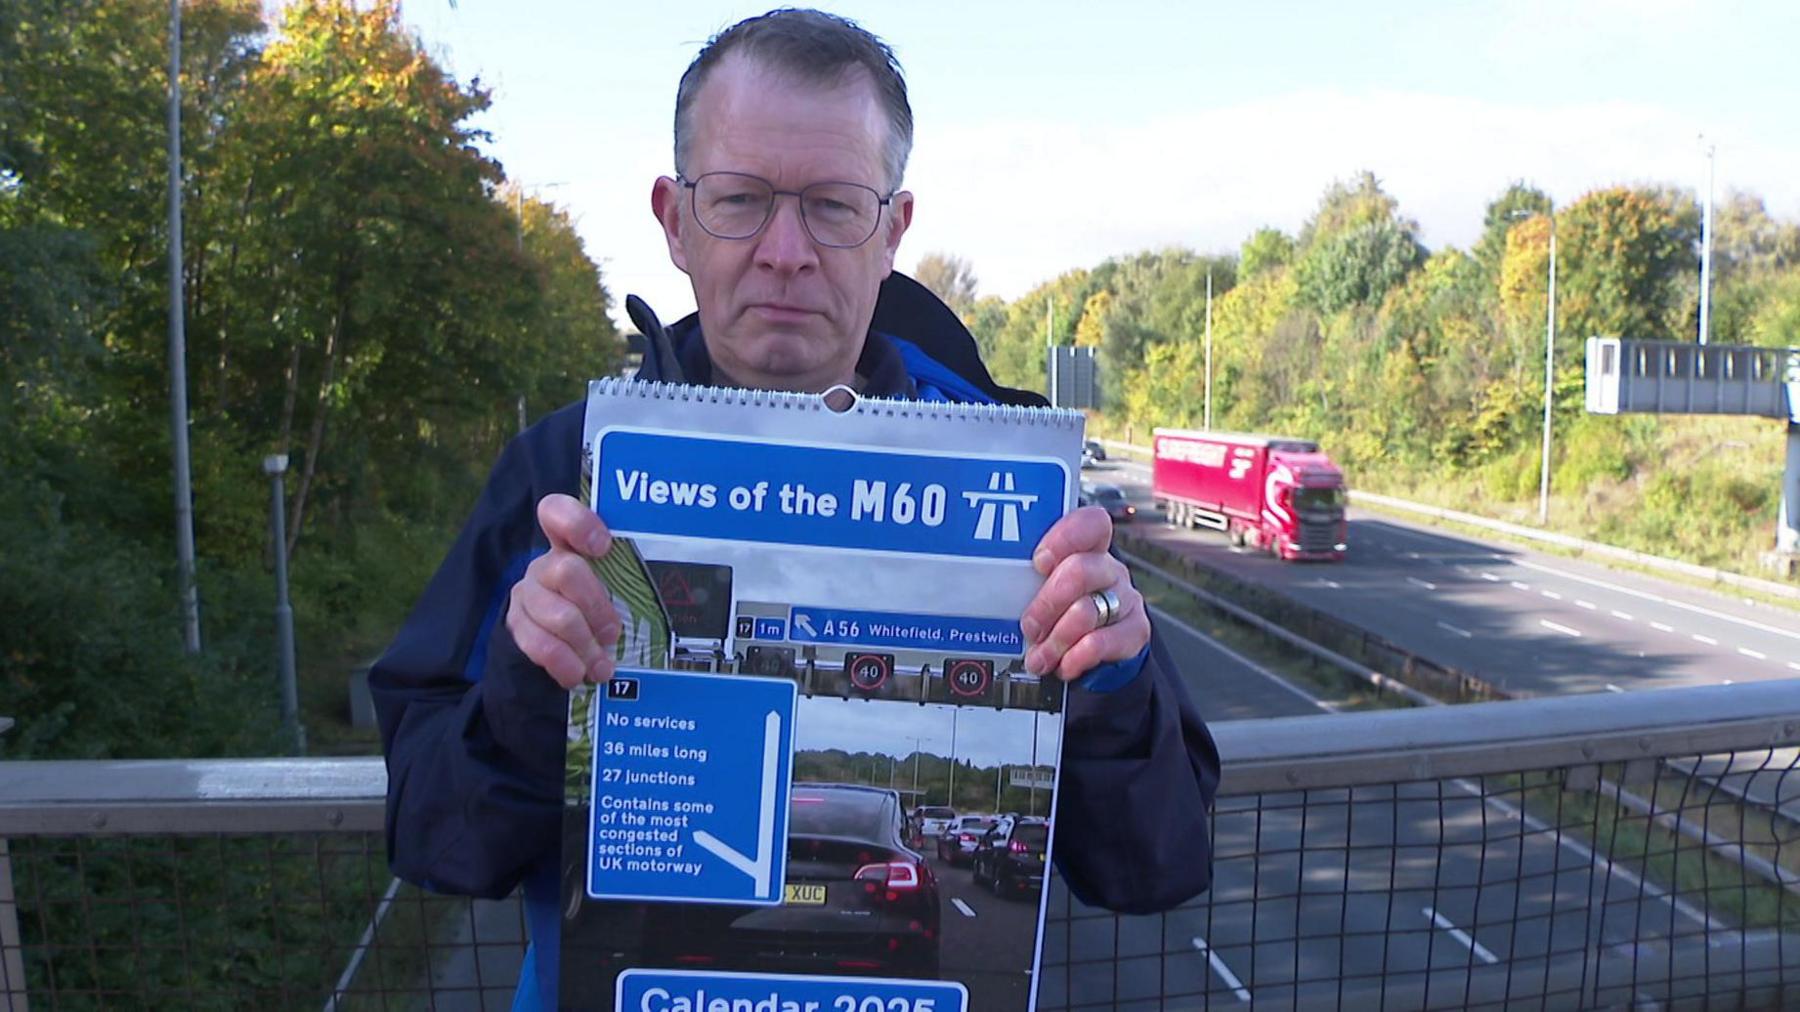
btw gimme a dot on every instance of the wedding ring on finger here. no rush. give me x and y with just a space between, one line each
1106 603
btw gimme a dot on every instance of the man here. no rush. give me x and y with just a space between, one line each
791 137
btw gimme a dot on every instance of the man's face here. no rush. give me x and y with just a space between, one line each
780 311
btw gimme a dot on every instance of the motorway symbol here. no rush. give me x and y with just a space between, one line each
757 865
869 672
1002 500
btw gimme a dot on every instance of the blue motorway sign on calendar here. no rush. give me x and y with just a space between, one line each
873 500
691 781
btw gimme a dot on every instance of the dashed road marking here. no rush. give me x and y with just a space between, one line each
1231 979
1551 594
1619 614
1708 640
1747 652
1646 596
1554 627
1610 687
1516 585
1447 627
1427 584
1460 935
1491 578
964 907
1659 627
1589 605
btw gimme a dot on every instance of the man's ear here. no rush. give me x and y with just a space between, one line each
900 212
665 203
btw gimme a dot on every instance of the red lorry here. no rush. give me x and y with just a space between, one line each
1281 495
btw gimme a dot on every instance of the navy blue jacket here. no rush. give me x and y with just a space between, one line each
473 731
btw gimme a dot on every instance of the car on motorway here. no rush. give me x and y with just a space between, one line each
1010 857
932 820
1093 450
858 900
1110 498
957 844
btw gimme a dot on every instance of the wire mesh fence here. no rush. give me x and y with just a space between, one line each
1529 855
1553 888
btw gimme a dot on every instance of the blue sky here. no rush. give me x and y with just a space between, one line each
1052 135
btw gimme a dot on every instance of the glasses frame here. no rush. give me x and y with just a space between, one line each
693 188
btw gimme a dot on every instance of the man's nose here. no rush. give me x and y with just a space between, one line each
785 244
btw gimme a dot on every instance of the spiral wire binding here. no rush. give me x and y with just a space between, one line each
1009 414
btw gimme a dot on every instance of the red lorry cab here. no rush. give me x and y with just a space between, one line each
1282 495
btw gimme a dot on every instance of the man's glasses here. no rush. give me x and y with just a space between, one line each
733 205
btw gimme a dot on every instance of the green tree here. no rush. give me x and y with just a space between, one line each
1267 249
1519 200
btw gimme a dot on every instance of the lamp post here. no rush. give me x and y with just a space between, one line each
178 410
1706 243
1549 380
950 793
1207 415
275 465
918 755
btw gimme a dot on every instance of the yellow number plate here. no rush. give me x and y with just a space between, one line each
804 895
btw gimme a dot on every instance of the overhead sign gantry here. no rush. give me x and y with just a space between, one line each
1678 378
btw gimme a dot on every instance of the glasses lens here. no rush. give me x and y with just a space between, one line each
840 214
732 206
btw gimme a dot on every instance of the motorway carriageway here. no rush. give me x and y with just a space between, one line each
1386 889
1526 622
1409 884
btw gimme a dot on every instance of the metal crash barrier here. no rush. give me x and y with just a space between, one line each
1576 852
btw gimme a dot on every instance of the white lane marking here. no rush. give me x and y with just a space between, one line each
1224 972
1460 935
1414 555
1516 585
1708 640
1565 630
1589 605
1163 616
1333 584
1747 652
1619 614
1551 594
1587 854
1491 578
1659 627
964 907
1427 584
1645 595
1610 687
1447 627
1726 682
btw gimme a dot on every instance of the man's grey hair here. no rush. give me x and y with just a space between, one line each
813 47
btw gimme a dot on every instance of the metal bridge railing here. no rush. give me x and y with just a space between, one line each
1579 852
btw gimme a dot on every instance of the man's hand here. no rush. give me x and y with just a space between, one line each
1062 624
560 614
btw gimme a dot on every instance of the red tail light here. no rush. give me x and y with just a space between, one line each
892 877
1017 847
